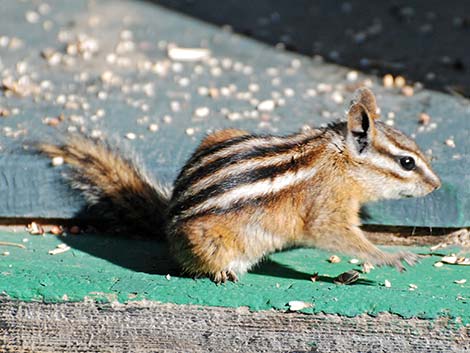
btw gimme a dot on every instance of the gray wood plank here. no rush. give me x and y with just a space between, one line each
153 327
129 83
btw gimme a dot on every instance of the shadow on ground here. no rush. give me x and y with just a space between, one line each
424 40
153 257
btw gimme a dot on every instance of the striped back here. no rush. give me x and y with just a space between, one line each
243 170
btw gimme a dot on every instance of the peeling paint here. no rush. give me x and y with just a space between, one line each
107 268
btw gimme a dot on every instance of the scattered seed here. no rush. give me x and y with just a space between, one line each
253 87
6 253
4 112
168 277
289 92
348 277
450 142
153 127
354 261
266 105
352 76
233 116
324 87
35 229
57 230
412 286
190 131
175 106
367 267
465 261
408 91
32 17
438 264
187 54
450 259
51 121
131 136
202 112
337 97
96 133
399 81
334 259
387 283
61 248
296 305
56 161
460 281
424 119
388 81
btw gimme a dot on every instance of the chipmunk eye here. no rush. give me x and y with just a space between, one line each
408 163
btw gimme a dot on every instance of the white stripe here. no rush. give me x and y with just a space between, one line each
239 168
254 190
385 164
249 145
396 151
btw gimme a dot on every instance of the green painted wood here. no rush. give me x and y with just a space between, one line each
143 95
106 269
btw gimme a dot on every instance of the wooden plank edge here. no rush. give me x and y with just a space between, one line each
153 327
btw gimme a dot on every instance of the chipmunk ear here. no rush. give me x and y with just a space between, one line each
361 127
365 97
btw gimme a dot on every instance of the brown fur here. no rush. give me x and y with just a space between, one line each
220 136
106 178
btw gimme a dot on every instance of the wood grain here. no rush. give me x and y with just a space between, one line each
151 327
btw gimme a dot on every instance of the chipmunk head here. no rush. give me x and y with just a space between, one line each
387 163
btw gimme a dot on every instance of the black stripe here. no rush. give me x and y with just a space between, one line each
384 171
198 156
263 151
232 182
391 134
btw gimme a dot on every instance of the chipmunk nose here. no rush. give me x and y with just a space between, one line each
437 184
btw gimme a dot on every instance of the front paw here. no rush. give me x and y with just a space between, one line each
396 260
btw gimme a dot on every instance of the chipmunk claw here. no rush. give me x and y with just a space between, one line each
396 260
223 276
409 258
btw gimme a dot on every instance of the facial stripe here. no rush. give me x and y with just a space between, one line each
379 169
396 145
422 166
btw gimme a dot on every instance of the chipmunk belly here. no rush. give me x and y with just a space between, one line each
258 242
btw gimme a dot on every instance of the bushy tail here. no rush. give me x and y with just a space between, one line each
116 190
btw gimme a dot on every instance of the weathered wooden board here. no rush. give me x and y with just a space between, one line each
151 327
129 83
108 268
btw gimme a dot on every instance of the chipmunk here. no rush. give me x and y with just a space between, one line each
241 196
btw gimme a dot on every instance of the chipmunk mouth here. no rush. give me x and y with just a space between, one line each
404 195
